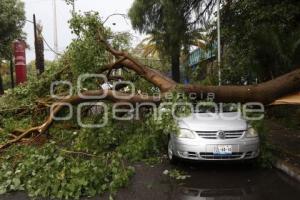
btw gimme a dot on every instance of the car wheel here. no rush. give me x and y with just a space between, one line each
172 158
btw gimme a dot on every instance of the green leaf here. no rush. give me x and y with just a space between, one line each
59 159
16 182
3 190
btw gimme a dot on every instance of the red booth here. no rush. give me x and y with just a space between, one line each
20 61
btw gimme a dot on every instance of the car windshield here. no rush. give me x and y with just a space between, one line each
214 108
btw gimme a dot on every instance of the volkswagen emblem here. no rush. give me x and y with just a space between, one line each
221 134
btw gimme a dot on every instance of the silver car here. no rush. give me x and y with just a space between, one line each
213 136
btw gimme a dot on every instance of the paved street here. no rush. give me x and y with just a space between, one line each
208 181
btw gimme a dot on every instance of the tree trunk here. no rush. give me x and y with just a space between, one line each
1 86
39 47
40 61
175 62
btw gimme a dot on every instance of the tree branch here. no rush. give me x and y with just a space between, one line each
113 96
265 92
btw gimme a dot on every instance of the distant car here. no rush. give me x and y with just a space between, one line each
215 139
106 86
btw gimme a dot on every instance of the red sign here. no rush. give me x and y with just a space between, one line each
20 61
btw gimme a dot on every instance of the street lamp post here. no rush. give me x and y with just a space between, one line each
55 28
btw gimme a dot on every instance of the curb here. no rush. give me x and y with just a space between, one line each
289 169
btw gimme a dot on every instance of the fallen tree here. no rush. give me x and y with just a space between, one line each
265 93
74 161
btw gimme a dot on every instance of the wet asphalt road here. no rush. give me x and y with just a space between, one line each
207 182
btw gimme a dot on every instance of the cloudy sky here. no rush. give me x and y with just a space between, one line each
43 9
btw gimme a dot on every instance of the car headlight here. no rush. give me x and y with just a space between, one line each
251 132
186 133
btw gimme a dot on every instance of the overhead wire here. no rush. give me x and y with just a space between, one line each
50 48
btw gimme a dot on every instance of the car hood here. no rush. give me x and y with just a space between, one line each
213 122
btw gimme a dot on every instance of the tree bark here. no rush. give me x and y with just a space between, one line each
39 47
175 62
265 92
1 86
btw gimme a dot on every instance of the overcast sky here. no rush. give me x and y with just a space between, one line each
43 9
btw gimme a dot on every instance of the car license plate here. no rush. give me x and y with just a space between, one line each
223 149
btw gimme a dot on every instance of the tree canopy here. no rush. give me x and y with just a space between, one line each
12 20
261 39
171 22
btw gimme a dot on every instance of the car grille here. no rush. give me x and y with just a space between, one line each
214 134
234 155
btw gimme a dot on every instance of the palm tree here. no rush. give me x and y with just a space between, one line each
149 46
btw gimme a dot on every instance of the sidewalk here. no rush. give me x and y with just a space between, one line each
287 142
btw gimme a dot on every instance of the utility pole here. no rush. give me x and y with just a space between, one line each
34 27
219 42
55 27
35 43
73 5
